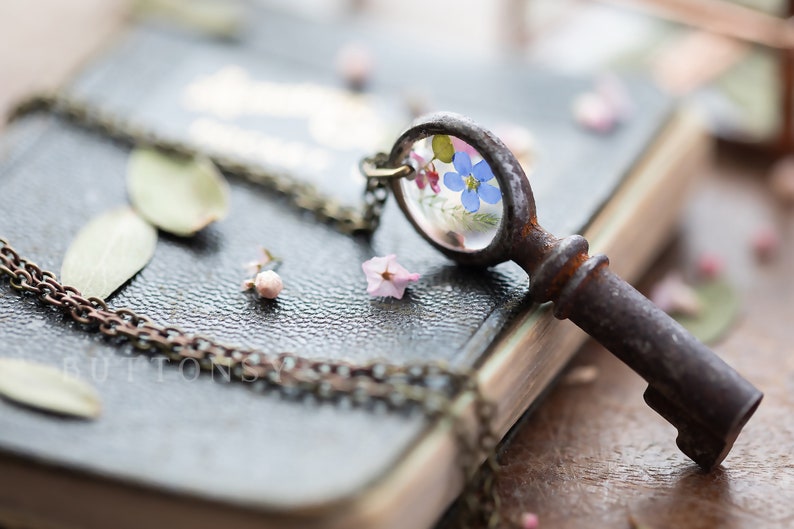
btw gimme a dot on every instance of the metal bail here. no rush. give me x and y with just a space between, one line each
374 167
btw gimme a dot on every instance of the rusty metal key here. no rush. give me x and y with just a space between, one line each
468 196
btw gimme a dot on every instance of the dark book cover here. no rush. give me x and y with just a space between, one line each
164 427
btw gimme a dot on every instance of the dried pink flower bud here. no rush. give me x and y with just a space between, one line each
386 277
592 112
710 265
529 520
766 243
604 108
268 284
355 64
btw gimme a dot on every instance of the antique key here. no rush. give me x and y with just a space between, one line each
468 196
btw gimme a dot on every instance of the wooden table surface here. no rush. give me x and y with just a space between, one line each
592 454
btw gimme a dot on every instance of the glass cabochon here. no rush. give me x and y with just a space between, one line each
454 196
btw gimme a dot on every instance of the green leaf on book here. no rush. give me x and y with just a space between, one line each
47 388
107 252
442 148
178 195
720 308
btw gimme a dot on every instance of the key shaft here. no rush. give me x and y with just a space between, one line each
689 385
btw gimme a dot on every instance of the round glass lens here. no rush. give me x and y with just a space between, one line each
454 196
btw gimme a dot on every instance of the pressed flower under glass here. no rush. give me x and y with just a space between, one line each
453 195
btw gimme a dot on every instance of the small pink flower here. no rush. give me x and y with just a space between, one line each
592 112
462 146
766 243
268 284
675 297
386 277
425 170
710 265
604 108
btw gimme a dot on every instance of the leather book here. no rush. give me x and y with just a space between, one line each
174 449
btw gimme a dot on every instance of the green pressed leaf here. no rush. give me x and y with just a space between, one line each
178 195
107 252
720 308
47 388
442 148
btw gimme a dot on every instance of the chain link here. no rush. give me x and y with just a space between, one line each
430 386
304 195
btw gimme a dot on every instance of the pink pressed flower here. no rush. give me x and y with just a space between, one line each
425 170
462 146
386 277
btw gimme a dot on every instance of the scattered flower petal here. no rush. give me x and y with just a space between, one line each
674 296
529 520
355 64
604 108
710 266
593 113
386 277
766 243
268 284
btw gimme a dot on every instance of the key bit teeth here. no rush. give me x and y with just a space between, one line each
697 440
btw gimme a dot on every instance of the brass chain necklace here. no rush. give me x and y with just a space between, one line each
432 387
